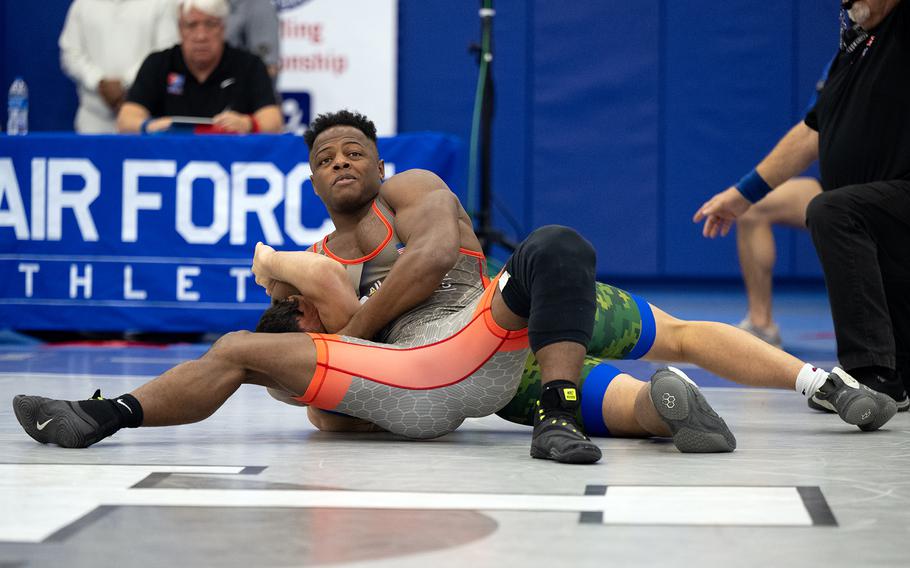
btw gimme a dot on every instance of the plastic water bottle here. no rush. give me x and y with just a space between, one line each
17 119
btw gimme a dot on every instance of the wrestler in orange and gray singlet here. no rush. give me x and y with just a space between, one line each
432 367
468 365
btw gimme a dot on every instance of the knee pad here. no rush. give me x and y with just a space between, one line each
551 284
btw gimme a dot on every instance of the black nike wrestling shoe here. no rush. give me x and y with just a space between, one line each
696 428
557 435
61 422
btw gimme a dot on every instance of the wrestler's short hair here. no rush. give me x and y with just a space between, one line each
340 118
280 317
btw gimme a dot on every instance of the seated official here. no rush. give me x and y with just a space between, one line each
202 77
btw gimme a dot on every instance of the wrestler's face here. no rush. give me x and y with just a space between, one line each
347 171
201 38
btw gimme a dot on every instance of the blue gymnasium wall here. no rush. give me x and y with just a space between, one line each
29 43
617 118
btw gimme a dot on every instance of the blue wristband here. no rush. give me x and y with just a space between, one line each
145 126
753 187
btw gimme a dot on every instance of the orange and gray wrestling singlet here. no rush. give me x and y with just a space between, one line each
447 361
437 364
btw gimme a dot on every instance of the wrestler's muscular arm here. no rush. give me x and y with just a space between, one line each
426 220
319 279
322 282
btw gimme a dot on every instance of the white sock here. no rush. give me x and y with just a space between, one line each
810 379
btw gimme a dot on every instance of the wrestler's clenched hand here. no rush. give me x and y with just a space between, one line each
262 258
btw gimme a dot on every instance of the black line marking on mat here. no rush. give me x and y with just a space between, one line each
594 517
817 506
80 523
151 480
154 479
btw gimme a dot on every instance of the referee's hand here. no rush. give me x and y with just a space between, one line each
720 212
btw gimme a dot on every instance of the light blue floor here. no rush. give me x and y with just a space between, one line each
256 485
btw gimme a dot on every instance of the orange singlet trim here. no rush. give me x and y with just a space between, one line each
481 264
440 364
377 250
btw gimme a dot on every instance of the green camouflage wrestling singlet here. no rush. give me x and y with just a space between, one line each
617 327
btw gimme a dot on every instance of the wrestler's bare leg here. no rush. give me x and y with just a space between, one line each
724 350
736 355
193 390
628 411
556 435
669 405
189 392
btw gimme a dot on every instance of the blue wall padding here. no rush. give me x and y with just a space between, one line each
618 118
595 155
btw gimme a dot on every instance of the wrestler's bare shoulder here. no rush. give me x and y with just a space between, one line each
413 180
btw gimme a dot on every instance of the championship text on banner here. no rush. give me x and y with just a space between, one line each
338 54
157 233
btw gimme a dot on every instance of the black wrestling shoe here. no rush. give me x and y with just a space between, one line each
855 403
893 388
696 428
557 436
60 422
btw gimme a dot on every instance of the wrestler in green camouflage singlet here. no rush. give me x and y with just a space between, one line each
617 327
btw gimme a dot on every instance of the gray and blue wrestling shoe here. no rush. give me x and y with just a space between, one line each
855 403
61 422
894 389
696 428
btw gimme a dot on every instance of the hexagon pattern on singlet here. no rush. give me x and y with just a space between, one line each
431 413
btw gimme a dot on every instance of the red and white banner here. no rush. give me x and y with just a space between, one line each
339 54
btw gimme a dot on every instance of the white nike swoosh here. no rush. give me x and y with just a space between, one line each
41 425
125 404
227 83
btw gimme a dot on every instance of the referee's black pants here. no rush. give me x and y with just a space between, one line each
862 236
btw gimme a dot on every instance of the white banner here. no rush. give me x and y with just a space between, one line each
339 54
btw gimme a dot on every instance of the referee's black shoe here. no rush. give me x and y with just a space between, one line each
557 435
